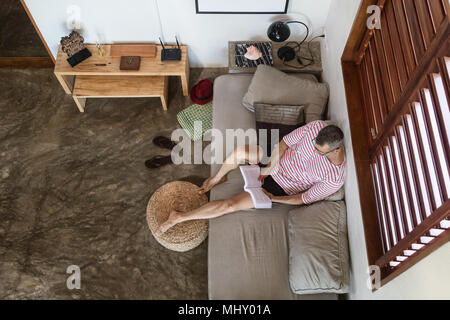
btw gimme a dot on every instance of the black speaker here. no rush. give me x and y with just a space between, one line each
278 31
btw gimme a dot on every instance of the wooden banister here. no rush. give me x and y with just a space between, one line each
399 129
420 230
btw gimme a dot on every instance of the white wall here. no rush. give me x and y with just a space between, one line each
136 20
430 278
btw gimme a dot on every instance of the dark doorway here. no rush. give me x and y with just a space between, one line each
20 44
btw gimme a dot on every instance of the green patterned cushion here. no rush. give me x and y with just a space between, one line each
193 113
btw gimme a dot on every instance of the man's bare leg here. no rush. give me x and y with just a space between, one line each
251 154
210 210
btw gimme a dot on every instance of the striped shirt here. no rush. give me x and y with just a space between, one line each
301 168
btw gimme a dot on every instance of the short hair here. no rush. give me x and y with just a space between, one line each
331 135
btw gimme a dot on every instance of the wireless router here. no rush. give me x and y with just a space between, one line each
170 54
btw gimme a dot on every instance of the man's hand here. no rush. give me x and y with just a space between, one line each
266 171
261 178
292 200
267 193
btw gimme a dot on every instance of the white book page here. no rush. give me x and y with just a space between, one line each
260 199
251 176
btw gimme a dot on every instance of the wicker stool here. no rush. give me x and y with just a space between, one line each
180 196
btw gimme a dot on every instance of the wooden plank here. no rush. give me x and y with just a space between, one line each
407 205
372 87
396 45
382 109
26 62
108 65
414 236
414 142
370 114
413 26
437 13
119 86
425 21
408 168
359 135
441 79
133 49
384 71
428 154
390 59
436 134
388 197
396 190
382 220
405 39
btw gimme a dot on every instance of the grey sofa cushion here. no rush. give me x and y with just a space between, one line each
272 86
337 196
318 248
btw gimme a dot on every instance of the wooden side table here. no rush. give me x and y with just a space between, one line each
99 77
315 68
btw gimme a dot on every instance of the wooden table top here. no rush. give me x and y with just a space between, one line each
108 65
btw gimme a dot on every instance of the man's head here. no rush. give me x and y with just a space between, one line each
330 139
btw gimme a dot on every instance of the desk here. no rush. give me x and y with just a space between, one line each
315 68
98 77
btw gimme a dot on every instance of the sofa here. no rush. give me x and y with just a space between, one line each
249 251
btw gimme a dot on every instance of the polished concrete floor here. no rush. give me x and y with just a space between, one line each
74 189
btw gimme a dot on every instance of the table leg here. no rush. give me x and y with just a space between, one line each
67 85
165 96
185 80
80 102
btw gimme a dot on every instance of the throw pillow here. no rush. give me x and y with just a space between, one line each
318 248
272 86
187 118
285 119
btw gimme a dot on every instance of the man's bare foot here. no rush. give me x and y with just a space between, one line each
210 183
170 222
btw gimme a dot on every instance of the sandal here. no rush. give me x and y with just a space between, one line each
158 161
164 142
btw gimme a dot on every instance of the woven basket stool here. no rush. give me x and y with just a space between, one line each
180 196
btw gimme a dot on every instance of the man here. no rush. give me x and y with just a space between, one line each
307 166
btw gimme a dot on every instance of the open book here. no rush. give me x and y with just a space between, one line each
253 186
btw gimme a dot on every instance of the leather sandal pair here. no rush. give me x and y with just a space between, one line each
159 161
164 142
